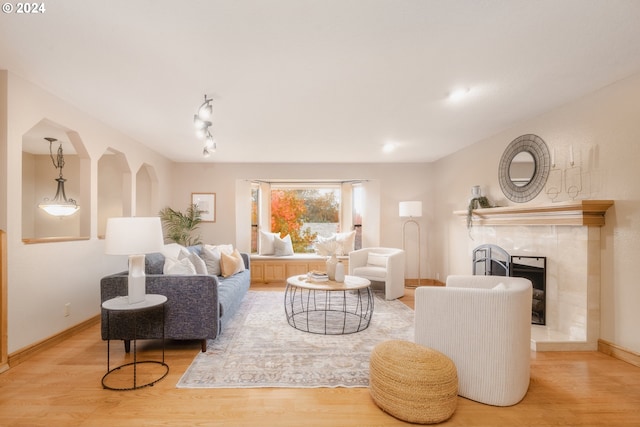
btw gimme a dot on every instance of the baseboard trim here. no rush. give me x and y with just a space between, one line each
413 283
25 353
613 350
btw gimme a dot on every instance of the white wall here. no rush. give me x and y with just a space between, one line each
43 277
604 130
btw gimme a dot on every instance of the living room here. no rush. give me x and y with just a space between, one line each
599 127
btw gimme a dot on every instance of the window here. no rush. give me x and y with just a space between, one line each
357 207
304 211
255 191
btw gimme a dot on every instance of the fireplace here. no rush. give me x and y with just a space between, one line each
569 235
492 260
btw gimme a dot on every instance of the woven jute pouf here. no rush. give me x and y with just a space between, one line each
412 382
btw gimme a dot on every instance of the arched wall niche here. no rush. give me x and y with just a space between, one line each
146 191
39 182
114 188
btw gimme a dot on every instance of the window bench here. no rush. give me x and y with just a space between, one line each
276 269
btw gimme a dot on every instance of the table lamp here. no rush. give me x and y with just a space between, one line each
134 236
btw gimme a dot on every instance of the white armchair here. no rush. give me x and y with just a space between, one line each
380 265
483 324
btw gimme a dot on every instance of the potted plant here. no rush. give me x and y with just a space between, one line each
476 203
180 226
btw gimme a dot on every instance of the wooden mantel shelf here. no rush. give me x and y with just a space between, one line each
578 212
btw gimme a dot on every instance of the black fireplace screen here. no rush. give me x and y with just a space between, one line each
492 260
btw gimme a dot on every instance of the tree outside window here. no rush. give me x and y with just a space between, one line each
305 214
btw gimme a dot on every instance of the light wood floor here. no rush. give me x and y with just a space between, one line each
61 387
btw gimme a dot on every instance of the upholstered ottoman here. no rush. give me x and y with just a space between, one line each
412 382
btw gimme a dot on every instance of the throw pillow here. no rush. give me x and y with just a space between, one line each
231 264
179 267
283 247
326 246
500 287
266 243
227 249
347 242
198 263
172 250
377 260
211 258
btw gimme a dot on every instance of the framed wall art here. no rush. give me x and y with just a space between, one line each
206 203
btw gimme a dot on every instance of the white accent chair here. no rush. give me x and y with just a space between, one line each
380 265
483 324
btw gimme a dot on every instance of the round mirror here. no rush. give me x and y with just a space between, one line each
524 168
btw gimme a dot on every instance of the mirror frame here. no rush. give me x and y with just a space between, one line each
535 146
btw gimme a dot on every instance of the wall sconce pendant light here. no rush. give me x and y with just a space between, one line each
60 205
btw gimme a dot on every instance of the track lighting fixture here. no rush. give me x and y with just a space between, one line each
202 123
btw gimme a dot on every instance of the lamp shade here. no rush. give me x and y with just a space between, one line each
410 209
133 236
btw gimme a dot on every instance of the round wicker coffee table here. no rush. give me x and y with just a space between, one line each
329 308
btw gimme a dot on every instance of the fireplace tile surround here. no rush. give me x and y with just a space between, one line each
568 234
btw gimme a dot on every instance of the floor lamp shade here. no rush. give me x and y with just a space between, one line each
134 236
410 209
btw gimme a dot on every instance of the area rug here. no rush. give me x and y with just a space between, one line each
259 348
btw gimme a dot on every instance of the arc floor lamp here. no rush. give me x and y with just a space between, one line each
411 210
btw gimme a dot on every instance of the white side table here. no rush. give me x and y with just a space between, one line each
121 304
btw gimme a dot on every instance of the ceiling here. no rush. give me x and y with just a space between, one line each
321 80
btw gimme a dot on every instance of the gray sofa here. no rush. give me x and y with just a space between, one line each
198 306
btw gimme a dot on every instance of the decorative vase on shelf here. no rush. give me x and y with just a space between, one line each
331 266
340 272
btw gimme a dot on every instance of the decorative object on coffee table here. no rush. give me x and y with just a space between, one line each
339 272
328 248
332 261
